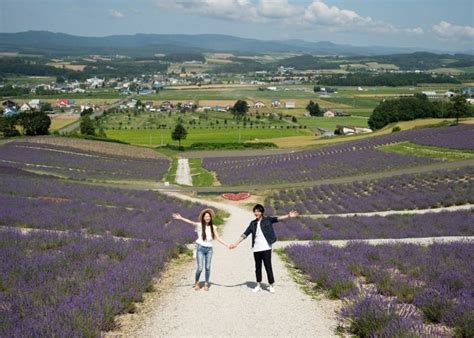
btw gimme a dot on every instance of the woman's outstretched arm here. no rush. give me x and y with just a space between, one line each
220 240
234 245
179 217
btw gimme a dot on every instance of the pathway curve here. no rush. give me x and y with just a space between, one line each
344 242
230 308
183 173
395 212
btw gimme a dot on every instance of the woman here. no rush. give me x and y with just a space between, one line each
206 234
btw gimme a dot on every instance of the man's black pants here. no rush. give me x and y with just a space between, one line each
266 257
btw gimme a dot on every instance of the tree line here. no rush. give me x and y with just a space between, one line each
31 124
389 79
418 107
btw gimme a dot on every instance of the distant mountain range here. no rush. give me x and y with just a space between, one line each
49 43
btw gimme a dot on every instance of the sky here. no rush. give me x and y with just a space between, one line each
434 24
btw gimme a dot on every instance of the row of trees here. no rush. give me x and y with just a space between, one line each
386 79
35 123
417 107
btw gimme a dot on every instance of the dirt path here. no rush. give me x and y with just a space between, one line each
230 308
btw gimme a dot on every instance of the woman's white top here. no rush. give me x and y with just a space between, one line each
261 243
199 240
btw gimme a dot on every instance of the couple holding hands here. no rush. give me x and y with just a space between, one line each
263 236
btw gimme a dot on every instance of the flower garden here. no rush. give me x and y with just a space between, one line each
74 254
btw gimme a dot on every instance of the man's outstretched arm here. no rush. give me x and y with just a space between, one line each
291 214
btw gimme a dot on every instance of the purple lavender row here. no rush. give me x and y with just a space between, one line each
438 280
80 164
70 286
414 191
271 170
455 223
22 183
39 202
344 159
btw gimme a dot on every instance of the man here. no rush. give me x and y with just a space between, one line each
263 236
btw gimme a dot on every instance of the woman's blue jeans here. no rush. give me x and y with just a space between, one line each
203 256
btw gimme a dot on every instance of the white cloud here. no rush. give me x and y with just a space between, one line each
447 31
115 14
317 13
243 10
278 9
334 19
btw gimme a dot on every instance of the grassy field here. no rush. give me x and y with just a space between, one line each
408 148
156 137
58 123
331 123
155 120
30 79
200 176
171 175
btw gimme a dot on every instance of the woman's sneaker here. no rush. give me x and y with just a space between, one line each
271 289
256 289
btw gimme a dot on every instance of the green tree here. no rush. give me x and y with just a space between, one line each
459 107
313 109
404 109
240 108
179 133
35 123
87 126
8 126
87 112
46 107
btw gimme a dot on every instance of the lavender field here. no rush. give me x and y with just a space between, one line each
454 223
344 159
81 164
73 281
66 285
442 188
398 289
47 203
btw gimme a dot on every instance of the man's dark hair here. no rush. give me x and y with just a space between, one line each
259 207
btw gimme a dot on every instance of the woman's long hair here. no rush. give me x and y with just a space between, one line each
203 225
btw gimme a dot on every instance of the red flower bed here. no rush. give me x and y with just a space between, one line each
236 197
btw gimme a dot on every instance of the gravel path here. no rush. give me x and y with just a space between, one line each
183 173
396 212
230 308
421 240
